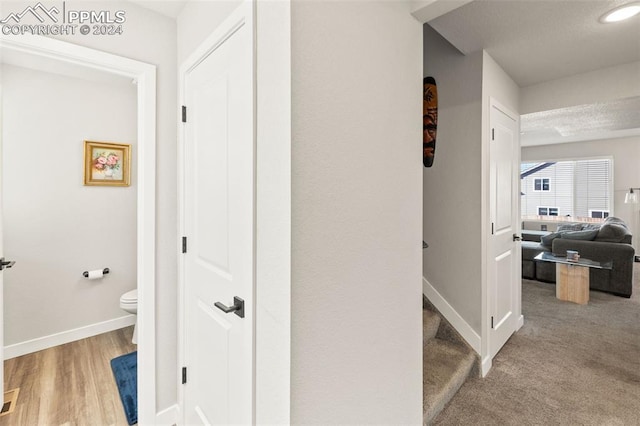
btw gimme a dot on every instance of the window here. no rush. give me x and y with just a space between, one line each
582 189
599 214
547 211
541 184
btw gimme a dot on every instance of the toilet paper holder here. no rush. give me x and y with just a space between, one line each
86 273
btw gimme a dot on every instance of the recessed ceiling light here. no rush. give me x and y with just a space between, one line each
621 13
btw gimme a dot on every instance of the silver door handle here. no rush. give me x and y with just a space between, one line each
516 237
237 308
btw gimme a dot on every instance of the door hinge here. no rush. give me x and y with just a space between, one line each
491 228
491 324
6 263
184 375
184 244
493 133
184 114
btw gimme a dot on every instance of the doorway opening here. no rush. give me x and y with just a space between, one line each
70 55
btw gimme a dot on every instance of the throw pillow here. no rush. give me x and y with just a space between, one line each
586 235
547 240
569 227
616 220
612 233
591 226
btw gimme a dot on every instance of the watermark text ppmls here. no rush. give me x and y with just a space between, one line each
38 19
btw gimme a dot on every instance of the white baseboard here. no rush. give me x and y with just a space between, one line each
45 342
168 416
486 366
520 322
454 318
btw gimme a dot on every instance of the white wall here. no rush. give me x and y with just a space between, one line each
626 173
497 84
453 185
197 20
356 327
56 228
602 85
150 37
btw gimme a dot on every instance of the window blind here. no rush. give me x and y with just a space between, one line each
575 187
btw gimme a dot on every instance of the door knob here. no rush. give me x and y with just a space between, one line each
237 308
516 237
6 263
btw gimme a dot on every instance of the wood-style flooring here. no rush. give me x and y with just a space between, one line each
69 385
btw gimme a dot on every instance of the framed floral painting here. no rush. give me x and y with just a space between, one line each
107 164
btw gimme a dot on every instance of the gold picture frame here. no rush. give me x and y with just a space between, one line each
107 164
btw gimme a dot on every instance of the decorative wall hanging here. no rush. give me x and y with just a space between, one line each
429 120
107 164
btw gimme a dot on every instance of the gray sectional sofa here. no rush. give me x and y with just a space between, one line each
609 241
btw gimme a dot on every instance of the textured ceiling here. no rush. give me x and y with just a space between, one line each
541 40
536 41
602 120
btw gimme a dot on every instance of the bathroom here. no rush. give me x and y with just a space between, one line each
56 227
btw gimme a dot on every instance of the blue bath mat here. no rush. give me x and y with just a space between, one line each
125 371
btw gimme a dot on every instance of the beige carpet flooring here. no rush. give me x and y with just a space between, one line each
568 365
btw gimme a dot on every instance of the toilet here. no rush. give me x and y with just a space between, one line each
129 303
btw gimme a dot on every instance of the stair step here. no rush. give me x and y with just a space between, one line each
430 324
446 368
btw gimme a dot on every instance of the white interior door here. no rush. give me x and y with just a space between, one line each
219 226
504 247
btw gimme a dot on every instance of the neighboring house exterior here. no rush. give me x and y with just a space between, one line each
580 189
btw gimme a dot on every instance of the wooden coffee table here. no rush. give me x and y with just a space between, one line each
572 276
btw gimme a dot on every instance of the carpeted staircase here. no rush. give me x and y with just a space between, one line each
447 362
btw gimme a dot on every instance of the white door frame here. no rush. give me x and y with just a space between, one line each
215 39
145 75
